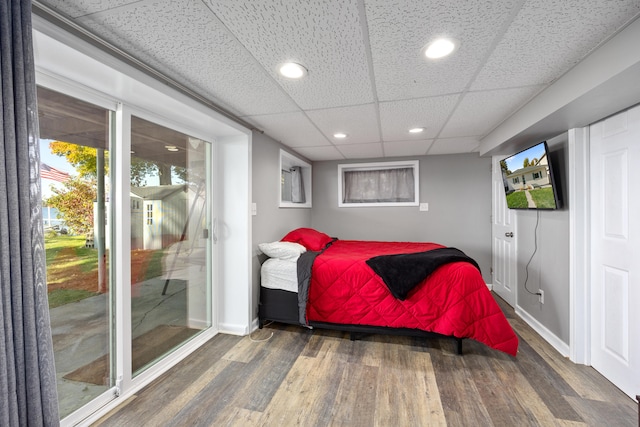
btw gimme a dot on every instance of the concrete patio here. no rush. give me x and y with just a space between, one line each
81 335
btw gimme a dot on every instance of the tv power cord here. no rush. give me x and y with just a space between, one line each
526 269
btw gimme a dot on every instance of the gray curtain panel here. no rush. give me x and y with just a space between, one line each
297 185
28 395
378 186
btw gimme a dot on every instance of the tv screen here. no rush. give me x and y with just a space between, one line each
528 179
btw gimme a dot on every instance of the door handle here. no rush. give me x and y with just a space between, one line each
509 234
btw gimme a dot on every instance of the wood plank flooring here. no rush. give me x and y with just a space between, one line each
320 378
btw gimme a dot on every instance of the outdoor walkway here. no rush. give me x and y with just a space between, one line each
80 332
530 201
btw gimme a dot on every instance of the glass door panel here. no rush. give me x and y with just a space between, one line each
170 246
74 156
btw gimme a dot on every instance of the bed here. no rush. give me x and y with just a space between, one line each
361 287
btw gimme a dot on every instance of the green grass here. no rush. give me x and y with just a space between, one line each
71 265
65 296
66 258
543 198
154 269
517 199
85 258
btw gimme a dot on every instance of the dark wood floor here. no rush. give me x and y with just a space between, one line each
321 378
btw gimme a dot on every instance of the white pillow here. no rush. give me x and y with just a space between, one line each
289 251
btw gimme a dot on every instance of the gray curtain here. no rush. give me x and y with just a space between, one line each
378 186
28 394
297 185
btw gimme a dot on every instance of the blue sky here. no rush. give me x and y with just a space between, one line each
53 160
514 163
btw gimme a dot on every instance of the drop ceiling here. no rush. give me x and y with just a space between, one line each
366 75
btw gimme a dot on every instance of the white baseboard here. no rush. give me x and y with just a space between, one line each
197 324
232 329
546 334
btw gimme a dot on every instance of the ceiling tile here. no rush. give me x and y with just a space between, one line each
324 36
317 154
430 113
479 112
292 129
407 148
186 42
361 151
360 123
548 37
454 145
399 29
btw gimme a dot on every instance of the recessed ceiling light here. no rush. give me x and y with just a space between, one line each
171 147
340 135
292 70
439 48
416 130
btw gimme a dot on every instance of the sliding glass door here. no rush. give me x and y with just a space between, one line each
74 152
170 248
157 272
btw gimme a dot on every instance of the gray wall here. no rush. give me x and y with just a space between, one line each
549 267
271 222
457 188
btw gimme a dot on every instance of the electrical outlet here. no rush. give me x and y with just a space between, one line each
541 296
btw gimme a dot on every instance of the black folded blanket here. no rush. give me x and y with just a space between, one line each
402 272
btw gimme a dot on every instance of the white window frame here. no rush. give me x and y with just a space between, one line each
414 164
287 161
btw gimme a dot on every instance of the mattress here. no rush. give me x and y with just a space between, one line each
279 274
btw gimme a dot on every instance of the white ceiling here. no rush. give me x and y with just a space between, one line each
367 77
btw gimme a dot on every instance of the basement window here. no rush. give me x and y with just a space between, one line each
378 184
295 181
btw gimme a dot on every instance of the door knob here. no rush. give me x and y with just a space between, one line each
509 234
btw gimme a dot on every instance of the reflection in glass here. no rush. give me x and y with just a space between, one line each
74 157
169 240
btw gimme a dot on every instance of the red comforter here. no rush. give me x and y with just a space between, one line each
453 300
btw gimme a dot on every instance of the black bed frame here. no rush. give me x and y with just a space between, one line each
282 306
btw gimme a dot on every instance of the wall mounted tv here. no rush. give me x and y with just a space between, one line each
528 179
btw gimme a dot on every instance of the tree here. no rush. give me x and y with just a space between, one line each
504 167
140 169
83 159
164 172
75 203
526 162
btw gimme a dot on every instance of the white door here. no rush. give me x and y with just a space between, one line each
503 225
615 249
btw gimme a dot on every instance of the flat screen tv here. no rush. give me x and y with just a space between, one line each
528 179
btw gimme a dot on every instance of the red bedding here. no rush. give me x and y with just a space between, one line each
453 300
